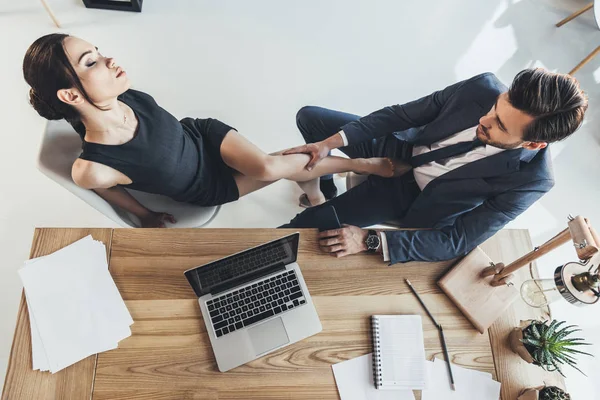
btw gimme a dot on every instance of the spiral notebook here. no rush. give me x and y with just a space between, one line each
398 352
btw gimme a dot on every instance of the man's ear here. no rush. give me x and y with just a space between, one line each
534 145
70 96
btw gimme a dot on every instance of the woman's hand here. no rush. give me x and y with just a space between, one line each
156 220
121 198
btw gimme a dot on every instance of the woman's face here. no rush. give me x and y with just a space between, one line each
101 77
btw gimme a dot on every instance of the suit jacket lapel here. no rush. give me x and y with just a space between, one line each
450 124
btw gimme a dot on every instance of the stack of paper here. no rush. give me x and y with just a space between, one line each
75 308
354 380
470 384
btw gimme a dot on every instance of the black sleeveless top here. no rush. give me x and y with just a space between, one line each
179 159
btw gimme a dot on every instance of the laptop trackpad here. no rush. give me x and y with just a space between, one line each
268 336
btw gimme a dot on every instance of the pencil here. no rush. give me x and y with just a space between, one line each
439 327
447 358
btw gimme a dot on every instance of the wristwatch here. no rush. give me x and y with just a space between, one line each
373 242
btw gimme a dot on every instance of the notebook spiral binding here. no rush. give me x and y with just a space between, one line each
377 378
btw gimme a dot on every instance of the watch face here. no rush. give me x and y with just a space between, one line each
372 242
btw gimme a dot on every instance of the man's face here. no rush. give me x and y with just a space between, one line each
503 126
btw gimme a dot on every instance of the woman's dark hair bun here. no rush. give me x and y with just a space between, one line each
42 107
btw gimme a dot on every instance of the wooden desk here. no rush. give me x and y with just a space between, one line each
169 354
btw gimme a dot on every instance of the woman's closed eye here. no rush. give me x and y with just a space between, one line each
91 62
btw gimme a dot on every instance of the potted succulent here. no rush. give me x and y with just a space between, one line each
548 345
544 393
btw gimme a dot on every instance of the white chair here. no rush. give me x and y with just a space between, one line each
61 145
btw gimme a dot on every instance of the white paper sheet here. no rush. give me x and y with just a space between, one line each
354 380
470 384
38 354
75 306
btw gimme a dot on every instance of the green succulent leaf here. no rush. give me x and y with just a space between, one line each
550 345
566 333
557 368
535 331
533 342
554 326
577 352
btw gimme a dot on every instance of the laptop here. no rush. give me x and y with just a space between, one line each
254 302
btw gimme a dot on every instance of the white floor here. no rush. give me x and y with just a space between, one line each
254 64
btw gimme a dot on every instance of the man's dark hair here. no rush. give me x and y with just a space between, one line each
555 101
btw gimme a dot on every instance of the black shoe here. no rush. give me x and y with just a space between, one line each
328 188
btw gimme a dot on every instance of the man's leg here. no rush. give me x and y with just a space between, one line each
374 201
317 124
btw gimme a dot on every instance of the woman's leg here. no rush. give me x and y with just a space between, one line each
313 192
243 156
308 180
247 184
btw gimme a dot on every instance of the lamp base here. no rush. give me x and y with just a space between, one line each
480 302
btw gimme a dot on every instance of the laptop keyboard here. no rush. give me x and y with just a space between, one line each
254 303
238 266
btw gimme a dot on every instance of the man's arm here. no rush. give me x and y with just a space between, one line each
468 231
383 122
400 117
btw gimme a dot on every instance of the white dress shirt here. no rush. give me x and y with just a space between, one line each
428 172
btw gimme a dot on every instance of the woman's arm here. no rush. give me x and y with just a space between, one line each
104 181
119 197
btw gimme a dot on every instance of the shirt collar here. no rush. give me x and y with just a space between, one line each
491 150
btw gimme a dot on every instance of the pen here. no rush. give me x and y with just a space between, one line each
440 329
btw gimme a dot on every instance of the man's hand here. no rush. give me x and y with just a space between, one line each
344 241
317 151
156 220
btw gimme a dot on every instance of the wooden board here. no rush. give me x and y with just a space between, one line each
74 382
480 302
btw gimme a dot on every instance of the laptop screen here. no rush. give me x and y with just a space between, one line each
250 262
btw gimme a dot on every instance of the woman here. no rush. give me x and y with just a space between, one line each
130 141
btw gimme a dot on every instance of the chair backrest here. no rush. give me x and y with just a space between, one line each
61 146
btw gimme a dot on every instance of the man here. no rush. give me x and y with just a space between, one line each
479 156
